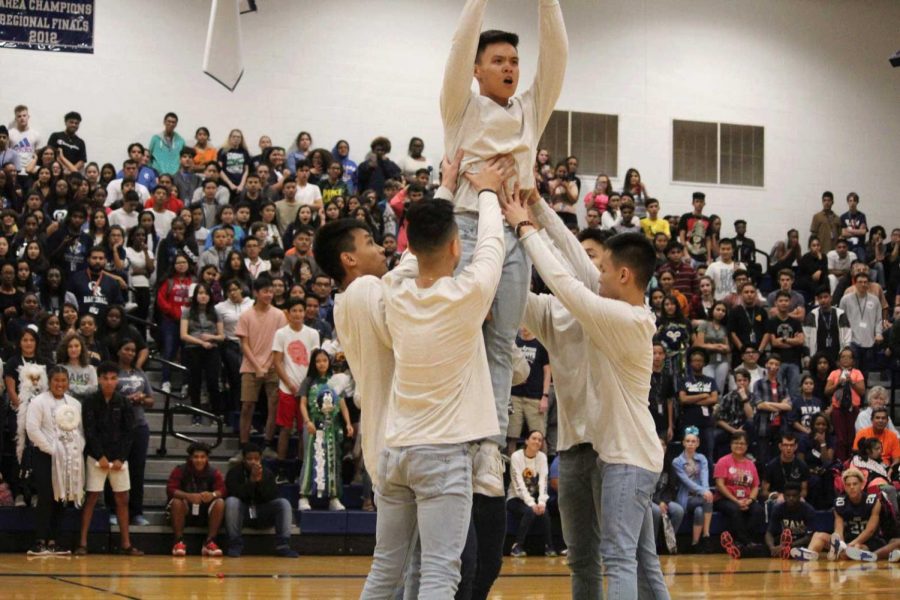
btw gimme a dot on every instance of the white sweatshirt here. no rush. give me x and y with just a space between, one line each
483 128
359 321
521 468
619 338
563 335
442 385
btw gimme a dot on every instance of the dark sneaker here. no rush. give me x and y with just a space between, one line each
286 552
550 552
517 551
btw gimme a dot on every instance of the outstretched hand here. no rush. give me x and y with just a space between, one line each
450 171
514 206
494 174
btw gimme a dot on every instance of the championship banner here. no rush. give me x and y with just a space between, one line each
52 25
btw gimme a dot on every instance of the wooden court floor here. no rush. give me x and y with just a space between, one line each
340 578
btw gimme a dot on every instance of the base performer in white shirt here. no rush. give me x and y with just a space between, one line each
441 399
619 330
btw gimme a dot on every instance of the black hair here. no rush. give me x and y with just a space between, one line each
698 352
170 114
792 486
262 282
198 447
187 151
881 409
726 241
739 435
597 235
72 115
788 436
782 294
633 250
250 448
827 194
383 142
333 239
430 225
699 196
107 366
495 36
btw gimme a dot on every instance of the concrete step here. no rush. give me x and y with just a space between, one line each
159 524
182 424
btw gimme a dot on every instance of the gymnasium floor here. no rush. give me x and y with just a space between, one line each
340 578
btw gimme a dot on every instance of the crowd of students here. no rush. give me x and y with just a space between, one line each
209 251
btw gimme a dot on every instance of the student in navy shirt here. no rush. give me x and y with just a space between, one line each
804 408
790 523
95 290
68 246
698 396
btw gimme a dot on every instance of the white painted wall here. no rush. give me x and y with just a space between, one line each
814 73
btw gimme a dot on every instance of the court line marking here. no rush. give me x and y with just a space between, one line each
863 568
91 587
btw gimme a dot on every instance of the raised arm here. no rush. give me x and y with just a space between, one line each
551 68
582 267
458 72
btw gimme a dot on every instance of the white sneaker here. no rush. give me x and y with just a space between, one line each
20 500
894 556
335 504
804 554
237 458
304 504
854 553
166 387
487 471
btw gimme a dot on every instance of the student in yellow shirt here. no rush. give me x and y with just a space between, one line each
652 224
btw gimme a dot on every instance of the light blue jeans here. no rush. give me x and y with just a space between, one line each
579 510
627 540
427 487
506 312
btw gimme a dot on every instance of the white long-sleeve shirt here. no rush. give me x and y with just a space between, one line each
619 338
563 337
483 128
521 468
442 385
359 321
40 422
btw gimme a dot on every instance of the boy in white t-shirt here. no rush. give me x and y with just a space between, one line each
291 348
307 194
722 270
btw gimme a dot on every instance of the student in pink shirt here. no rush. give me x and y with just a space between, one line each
737 487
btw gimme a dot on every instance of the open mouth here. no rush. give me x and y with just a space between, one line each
508 80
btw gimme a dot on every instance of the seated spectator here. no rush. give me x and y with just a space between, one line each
797 303
856 525
527 495
817 451
53 424
876 398
868 459
529 401
196 490
845 388
772 408
812 269
737 487
72 353
652 224
312 304
791 523
685 275
319 403
667 284
733 412
253 496
750 363
783 469
693 493
804 409
628 223
663 504
747 321
108 426
839 261
888 439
